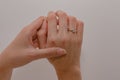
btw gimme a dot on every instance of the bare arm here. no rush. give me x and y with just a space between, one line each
65 32
5 72
69 74
22 50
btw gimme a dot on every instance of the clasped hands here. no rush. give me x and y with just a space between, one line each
57 37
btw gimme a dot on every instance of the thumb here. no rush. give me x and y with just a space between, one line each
49 52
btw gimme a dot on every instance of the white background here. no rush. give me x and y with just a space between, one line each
100 58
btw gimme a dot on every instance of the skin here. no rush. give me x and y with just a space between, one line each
67 67
43 33
22 50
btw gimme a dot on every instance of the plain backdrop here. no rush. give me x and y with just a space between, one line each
100 58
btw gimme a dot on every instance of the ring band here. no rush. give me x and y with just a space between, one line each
72 30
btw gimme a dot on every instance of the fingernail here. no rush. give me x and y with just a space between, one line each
61 52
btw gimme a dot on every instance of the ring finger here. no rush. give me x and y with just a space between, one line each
72 25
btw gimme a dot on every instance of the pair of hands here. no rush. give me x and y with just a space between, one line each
56 43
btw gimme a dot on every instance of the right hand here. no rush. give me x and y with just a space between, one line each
65 39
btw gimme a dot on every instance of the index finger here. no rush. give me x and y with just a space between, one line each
36 24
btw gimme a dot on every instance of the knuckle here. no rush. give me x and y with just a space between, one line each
50 12
41 17
63 14
64 40
52 40
81 23
72 18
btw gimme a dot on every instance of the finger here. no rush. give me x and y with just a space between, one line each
42 35
62 21
80 26
35 43
36 24
72 24
49 52
52 23
31 31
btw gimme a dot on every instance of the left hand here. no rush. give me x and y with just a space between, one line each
23 50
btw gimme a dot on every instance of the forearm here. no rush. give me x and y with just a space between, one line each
5 72
70 74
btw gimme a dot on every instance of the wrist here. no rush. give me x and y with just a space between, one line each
4 65
67 69
6 74
5 70
72 73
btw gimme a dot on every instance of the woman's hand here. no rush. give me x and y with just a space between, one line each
23 50
61 30
69 36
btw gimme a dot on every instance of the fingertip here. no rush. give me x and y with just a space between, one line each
61 52
49 13
60 12
41 18
57 52
44 23
51 16
72 18
57 12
